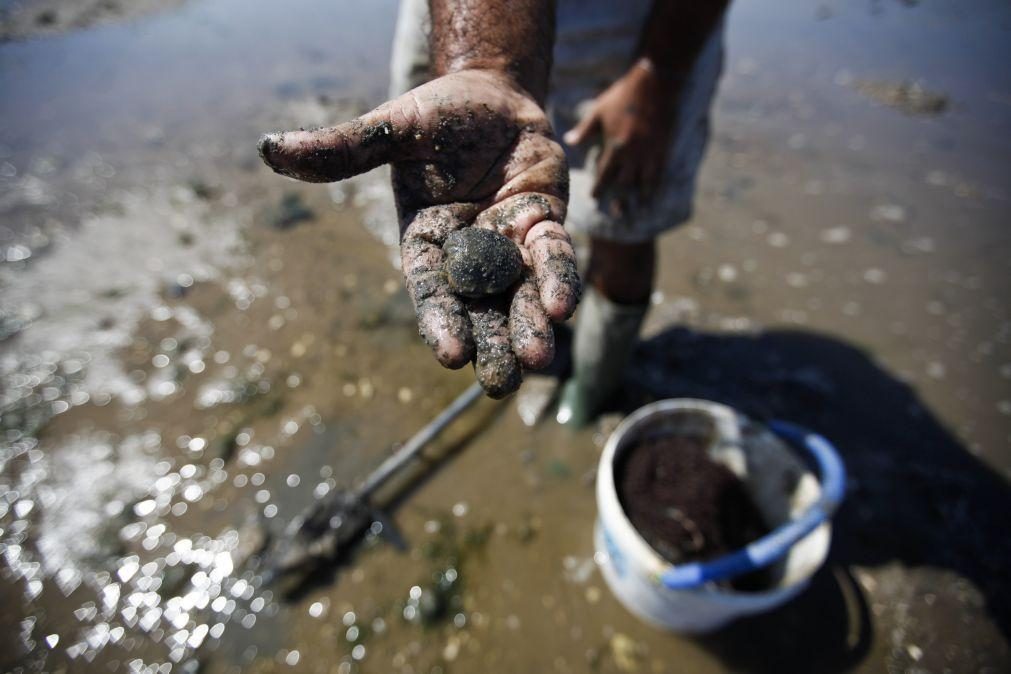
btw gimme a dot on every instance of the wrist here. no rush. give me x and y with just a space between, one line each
494 75
515 38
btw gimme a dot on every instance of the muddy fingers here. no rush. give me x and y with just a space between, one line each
442 318
496 366
554 264
533 340
515 216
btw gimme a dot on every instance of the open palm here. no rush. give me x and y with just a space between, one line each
467 149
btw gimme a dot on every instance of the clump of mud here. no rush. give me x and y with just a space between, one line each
910 98
480 262
687 506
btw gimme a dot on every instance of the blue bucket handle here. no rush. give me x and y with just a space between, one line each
777 543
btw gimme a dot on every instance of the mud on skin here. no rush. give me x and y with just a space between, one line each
442 318
480 262
495 365
533 339
323 162
564 269
504 218
444 171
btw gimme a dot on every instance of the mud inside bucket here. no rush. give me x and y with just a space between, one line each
687 506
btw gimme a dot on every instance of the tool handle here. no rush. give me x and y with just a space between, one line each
418 441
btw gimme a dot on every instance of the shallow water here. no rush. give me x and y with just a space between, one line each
184 364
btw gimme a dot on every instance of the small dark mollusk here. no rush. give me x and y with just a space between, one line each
480 262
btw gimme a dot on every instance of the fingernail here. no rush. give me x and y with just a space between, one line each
570 137
266 146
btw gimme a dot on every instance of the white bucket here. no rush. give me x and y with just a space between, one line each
688 597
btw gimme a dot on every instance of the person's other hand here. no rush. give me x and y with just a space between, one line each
634 118
470 148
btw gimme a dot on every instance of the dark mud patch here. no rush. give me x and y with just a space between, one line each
289 212
687 507
909 98
25 19
377 134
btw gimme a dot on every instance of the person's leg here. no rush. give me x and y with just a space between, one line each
619 283
622 272
620 279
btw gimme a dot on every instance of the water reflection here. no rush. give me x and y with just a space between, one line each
161 357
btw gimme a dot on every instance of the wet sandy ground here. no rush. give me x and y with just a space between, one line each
24 19
193 346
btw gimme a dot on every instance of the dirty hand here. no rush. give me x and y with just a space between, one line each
634 118
471 148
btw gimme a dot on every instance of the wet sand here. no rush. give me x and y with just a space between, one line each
25 19
184 357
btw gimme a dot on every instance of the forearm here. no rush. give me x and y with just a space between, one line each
515 37
676 31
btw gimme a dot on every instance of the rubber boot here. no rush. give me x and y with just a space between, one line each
606 333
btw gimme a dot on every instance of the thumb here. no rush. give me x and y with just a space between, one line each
581 131
337 152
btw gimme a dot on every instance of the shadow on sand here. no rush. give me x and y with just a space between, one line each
916 496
